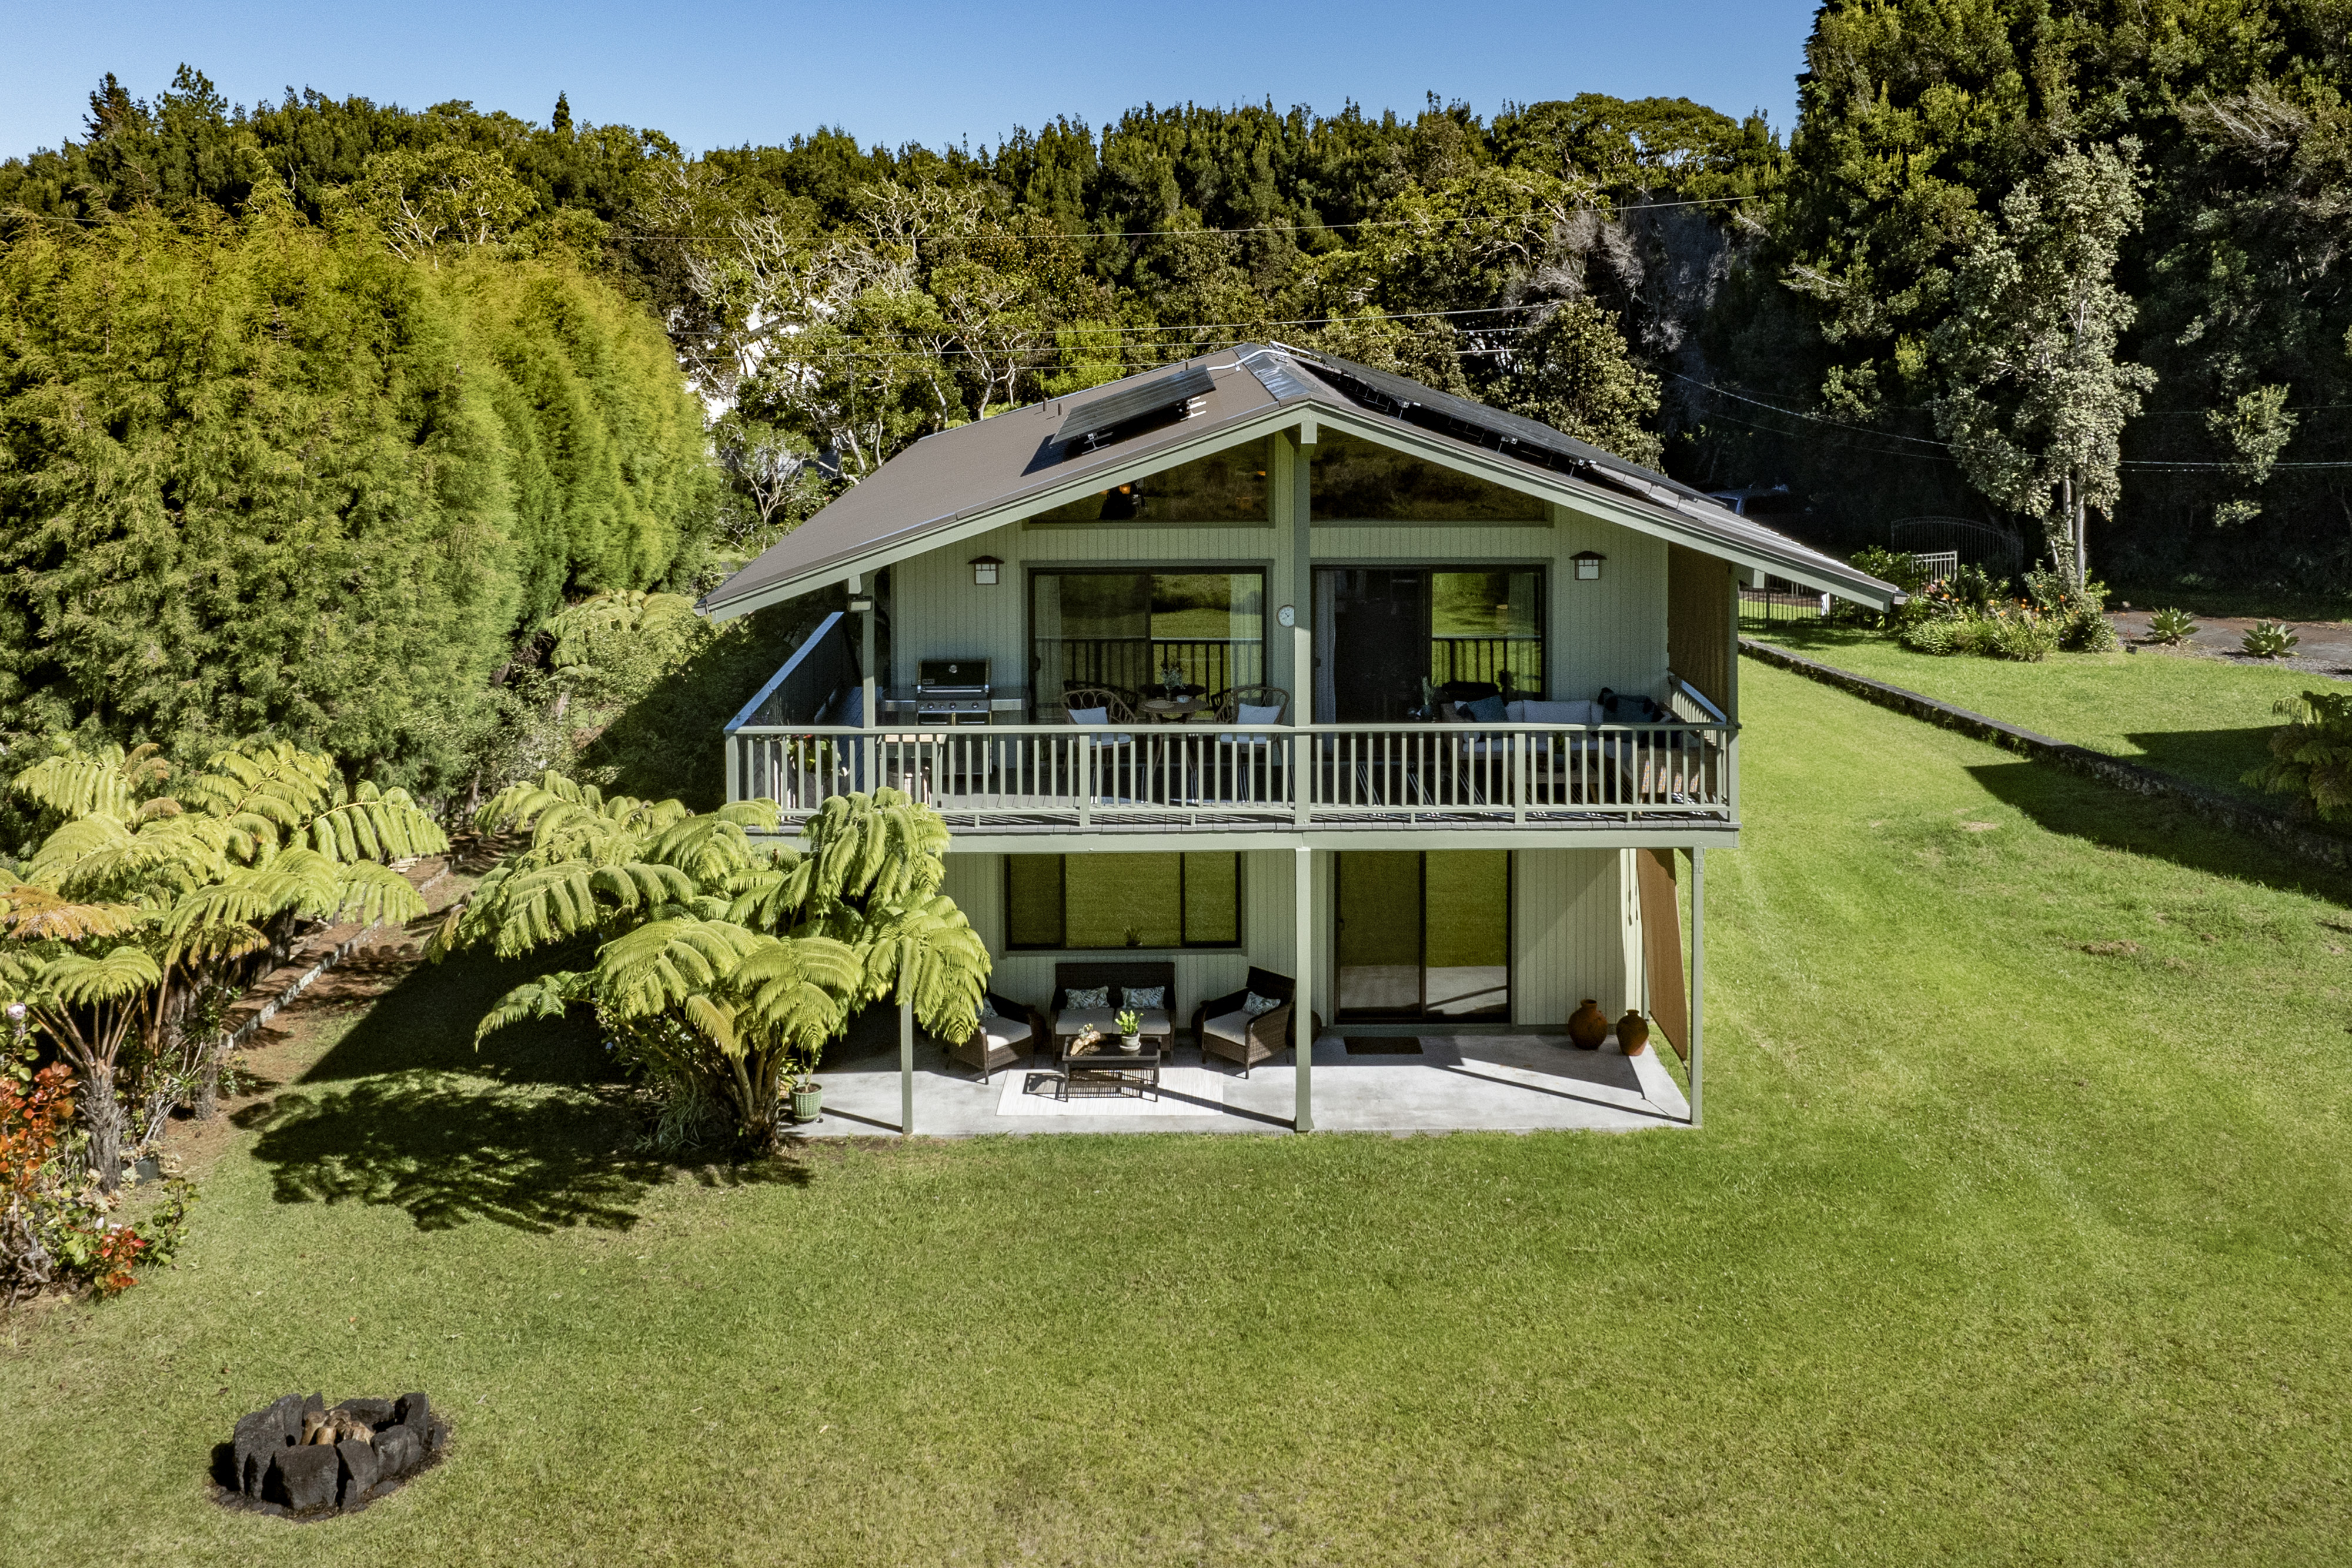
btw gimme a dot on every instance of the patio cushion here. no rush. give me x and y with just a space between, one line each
1004 1031
1141 996
1095 716
1488 710
1087 1000
1074 1020
1252 714
1256 1005
1556 713
1234 1027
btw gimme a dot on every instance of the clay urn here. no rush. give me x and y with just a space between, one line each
1588 1026
1632 1033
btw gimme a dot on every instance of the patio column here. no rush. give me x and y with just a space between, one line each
907 1063
1699 974
1302 1010
906 1040
859 595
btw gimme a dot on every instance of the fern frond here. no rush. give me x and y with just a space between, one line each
37 914
549 997
108 782
80 981
386 826
656 966
262 781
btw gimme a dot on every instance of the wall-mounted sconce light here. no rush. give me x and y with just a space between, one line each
861 604
1588 565
983 570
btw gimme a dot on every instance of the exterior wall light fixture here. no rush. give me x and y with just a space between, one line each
1588 565
983 570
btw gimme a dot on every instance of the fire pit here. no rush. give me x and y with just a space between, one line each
305 1459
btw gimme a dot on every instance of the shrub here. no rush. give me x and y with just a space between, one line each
1940 636
54 1228
2269 640
1904 569
2077 615
2311 755
2023 636
2170 626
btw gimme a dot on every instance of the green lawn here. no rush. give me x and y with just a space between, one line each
2018 1233
2204 720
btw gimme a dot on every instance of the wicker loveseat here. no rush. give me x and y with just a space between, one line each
1017 1030
1117 979
1225 1030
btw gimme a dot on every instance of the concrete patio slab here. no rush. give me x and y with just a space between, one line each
1498 1082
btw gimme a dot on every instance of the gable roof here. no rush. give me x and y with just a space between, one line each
980 476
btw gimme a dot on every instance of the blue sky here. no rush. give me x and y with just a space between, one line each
726 72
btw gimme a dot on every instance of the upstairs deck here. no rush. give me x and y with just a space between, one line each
1049 778
800 742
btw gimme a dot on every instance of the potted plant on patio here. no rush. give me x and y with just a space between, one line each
807 1094
1131 1031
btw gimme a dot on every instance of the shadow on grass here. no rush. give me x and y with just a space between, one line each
534 1131
2099 813
2219 759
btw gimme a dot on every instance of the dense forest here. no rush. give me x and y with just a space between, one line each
313 412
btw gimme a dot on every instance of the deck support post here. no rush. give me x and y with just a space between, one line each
866 717
1302 1007
905 1059
1698 976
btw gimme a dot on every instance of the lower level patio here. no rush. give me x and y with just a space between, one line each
1431 1082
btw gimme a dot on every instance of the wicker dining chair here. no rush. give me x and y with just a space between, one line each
1117 703
1229 702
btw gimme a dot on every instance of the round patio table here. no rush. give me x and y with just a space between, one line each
1173 710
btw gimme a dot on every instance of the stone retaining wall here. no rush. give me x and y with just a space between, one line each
2221 809
313 956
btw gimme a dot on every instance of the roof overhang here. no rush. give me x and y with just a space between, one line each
1619 494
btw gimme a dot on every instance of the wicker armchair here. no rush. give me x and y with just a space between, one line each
1223 1030
1228 703
1017 1030
1116 702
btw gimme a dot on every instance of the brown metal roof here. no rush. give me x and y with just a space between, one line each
1012 465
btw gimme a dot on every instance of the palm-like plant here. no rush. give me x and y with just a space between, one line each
200 880
722 962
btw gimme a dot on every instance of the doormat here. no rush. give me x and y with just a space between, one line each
1384 1045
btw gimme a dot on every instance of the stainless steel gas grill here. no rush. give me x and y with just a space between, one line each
953 692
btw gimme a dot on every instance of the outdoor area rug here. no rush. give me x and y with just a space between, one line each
1384 1045
1183 1092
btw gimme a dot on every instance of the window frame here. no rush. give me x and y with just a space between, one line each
1241 904
1035 664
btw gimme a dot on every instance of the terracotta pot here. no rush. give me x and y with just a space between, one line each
1632 1033
1588 1026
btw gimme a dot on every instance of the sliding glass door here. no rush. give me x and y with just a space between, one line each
1386 636
1424 935
1131 630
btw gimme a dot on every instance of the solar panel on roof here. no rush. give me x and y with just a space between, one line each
1114 409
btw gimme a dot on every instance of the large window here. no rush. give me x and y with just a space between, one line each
1226 487
1127 628
1067 902
1353 479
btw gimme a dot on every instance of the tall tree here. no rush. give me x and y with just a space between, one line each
2037 401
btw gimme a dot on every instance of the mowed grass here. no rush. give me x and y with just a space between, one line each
2017 1232
2207 721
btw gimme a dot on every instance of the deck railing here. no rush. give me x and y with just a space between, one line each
1044 778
